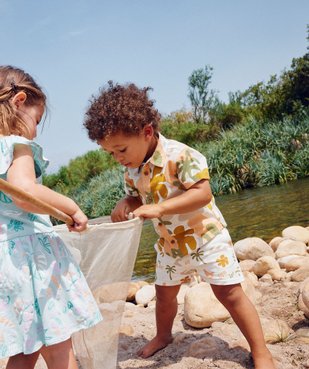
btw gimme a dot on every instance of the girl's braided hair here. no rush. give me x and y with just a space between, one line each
12 81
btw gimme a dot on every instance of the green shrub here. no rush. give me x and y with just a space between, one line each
101 194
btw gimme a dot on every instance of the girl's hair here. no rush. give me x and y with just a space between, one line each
12 81
120 109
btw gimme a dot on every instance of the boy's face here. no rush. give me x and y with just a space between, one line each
130 150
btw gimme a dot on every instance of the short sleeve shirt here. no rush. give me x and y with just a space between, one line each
15 222
172 169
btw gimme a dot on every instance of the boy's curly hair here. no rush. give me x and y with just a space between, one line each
120 109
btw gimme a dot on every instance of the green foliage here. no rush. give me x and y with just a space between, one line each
226 116
101 194
187 132
202 98
281 96
258 154
79 171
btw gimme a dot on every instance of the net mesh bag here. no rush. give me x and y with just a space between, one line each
106 254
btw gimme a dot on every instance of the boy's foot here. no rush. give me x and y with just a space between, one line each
156 344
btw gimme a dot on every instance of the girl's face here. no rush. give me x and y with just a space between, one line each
130 150
32 116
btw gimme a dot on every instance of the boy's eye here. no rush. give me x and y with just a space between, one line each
123 150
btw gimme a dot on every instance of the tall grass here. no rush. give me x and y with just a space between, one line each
258 154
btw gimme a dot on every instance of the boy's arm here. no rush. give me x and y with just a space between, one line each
125 206
194 198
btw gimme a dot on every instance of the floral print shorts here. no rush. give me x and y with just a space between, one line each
215 262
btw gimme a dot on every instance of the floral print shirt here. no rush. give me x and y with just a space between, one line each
172 169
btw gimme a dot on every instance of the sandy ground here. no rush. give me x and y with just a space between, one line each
208 347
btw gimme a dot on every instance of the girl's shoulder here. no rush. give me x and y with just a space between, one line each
7 144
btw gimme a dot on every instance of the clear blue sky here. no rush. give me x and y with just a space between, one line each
74 47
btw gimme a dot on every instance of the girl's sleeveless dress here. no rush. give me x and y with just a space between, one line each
44 297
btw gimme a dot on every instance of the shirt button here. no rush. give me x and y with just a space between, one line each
159 224
146 173
172 241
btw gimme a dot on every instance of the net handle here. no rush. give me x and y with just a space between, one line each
20 194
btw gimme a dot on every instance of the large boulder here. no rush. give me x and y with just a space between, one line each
296 233
293 262
291 247
201 307
252 248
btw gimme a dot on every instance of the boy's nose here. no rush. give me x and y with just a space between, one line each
118 157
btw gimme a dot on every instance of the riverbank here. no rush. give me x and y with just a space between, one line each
274 283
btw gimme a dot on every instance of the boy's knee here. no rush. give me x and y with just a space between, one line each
229 293
166 294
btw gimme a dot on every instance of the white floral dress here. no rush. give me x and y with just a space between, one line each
44 297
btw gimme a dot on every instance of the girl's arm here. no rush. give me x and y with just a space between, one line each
194 198
22 174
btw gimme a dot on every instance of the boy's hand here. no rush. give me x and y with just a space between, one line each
124 207
149 211
80 222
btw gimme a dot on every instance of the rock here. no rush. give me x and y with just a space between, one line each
248 286
302 306
133 288
305 292
293 262
252 248
275 330
141 283
145 294
181 294
291 247
252 277
246 265
274 243
266 278
296 233
277 274
111 292
303 334
201 307
300 274
264 264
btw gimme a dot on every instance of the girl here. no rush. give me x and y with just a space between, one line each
44 297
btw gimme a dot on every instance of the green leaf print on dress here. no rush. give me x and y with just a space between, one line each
16 225
4 198
45 244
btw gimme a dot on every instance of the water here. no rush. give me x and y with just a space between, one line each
262 212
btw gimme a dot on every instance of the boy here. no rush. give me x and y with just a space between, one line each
168 182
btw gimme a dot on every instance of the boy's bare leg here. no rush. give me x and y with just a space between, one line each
166 310
245 316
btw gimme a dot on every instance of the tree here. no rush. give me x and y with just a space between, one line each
202 99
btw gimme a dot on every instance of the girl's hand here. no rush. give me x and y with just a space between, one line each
149 211
80 222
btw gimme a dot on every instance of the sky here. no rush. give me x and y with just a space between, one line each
72 48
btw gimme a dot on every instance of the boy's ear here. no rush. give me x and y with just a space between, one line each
19 99
148 130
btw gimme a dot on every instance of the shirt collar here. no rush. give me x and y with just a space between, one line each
158 157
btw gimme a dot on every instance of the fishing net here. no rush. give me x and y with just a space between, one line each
106 254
